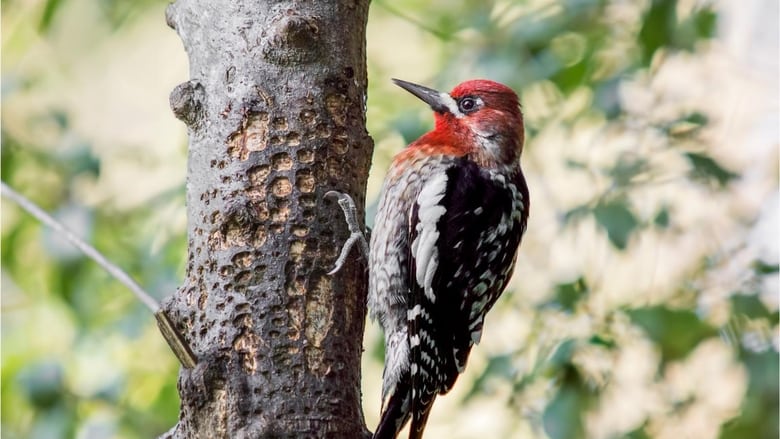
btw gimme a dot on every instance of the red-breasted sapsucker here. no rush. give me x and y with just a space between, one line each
451 214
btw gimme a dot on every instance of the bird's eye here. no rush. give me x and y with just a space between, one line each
467 104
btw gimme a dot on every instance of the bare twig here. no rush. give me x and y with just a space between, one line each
176 342
419 23
87 249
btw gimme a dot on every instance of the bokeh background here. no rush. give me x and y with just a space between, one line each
645 299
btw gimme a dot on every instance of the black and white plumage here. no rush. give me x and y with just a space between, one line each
451 214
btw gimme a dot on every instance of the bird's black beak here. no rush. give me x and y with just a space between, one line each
428 95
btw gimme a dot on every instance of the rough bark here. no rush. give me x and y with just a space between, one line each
275 111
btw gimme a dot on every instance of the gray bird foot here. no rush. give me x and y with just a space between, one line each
356 234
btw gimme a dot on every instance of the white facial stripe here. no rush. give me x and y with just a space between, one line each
451 104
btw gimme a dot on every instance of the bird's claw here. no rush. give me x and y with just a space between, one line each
355 232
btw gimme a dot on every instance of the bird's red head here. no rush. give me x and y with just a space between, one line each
479 117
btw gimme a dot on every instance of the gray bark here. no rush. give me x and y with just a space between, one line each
275 111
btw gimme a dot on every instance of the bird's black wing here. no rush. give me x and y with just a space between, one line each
470 250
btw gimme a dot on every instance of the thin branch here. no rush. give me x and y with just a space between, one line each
88 250
175 340
419 23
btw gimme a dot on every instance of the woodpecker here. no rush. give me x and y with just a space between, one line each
451 214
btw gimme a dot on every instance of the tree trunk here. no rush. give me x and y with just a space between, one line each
275 111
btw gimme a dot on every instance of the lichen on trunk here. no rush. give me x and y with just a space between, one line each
275 112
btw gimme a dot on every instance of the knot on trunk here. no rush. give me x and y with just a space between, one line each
187 101
294 39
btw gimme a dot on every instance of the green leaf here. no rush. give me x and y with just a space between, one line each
661 219
607 97
701 24
676 332
639 433
657 28
563 353
563 416
619 222
707 170
575 214
697 118
568 294
762 268
572 59
499 366
49 11
751 306
575 164
687 125
43 384
758 416
601 340
80 160
626 169
705 22
571 77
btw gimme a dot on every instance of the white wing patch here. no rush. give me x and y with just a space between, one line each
424 246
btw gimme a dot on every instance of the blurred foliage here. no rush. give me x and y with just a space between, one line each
675 332
621 170
115 12
80 356
586 66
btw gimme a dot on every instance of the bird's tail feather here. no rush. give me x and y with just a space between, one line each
396 411
420 417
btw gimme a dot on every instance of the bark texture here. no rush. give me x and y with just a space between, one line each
275 111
